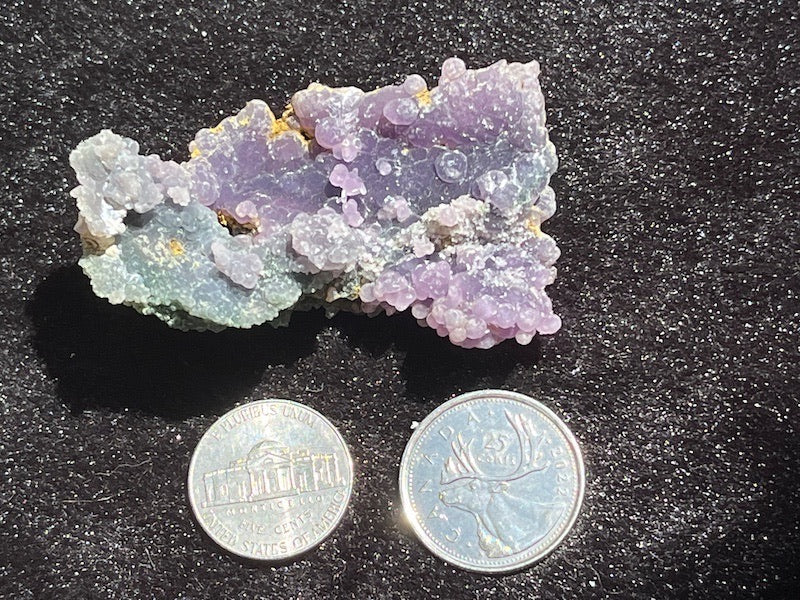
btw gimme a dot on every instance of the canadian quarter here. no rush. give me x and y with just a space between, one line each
270 480
492 481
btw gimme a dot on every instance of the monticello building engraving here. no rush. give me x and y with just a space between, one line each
271 470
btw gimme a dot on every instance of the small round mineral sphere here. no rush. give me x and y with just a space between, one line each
451 69
451 166
383 166
414 84
401 111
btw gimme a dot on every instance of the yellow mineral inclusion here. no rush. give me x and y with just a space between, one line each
423 97
195 152
176 247
218 127
279 126
532 225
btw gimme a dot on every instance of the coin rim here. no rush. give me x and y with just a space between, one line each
294 553
405 469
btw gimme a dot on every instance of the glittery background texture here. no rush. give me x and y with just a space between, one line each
677 133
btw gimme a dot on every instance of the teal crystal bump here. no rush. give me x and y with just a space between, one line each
403 198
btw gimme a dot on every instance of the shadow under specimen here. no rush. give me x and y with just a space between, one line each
105 355
433 368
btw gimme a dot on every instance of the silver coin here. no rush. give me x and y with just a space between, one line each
491 481
270 480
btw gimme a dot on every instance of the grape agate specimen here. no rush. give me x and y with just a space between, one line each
404 198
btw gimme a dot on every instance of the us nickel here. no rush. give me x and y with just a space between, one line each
492 481
270 480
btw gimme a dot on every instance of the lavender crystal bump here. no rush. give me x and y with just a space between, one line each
404 198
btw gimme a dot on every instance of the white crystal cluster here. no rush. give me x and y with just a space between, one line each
115 179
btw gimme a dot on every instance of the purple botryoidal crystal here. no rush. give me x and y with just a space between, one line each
404 198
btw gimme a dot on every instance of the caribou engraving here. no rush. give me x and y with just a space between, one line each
507 521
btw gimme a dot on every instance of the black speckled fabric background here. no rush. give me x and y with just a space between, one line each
676 124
